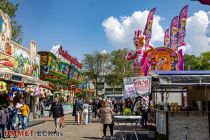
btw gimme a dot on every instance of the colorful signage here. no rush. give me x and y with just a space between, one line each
54 69
137 85
68 57
142 85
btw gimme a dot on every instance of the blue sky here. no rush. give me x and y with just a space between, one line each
77 24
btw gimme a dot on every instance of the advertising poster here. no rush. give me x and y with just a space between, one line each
137 85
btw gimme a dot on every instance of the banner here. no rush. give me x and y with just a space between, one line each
167 38
137 85
148 27
174 33
142 85
182 25
1 22
130 90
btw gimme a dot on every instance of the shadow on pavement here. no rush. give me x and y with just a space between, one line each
92 138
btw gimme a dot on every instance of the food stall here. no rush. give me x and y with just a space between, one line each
191 119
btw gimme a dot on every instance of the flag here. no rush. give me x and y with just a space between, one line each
182 25
1 22
205 2
148 27
174 33
167 38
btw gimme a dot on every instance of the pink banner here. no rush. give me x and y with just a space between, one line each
148 27
167 38
174 33
182 25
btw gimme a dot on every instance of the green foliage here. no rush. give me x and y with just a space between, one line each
10 8
127 111
201 62
121 67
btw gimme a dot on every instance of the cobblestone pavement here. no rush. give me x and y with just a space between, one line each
71 131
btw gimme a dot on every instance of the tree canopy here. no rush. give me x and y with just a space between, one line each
201 62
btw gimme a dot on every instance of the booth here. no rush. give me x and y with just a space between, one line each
19 68
190 118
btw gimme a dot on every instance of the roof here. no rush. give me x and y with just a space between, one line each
193 72
181 78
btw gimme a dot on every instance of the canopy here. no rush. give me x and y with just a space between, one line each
180 78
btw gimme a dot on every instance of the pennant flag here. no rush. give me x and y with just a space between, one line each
174 33
1 22
148 27
167 38
205 2
182 25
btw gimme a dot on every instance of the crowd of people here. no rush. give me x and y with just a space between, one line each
8 114
83 111
104 109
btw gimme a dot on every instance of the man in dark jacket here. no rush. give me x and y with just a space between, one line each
57 111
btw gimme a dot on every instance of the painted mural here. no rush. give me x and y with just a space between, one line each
14 57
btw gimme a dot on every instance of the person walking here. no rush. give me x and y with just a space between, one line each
3 122
18 106
85 112
79 109
106 118
12 116
90 112
57 111
41 108
74 110
25 114
144 111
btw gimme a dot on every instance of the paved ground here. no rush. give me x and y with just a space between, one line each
71 131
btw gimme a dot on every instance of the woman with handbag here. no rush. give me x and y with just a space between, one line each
106 118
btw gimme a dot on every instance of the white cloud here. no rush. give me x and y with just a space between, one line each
120 31
103 52
197 33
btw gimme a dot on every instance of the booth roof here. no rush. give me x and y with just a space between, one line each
173 73
181 78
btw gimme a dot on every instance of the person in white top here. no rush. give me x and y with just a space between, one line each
18 106
85 113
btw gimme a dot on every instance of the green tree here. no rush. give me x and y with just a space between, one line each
121 67
205 61
97 64
191 62
10 8
201 62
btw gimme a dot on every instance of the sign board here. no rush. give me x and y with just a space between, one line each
130 90
142 85
137 85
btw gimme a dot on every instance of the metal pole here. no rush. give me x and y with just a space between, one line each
206 96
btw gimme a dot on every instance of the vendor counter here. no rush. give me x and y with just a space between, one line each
193 125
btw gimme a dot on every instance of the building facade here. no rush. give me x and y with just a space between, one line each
107 90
